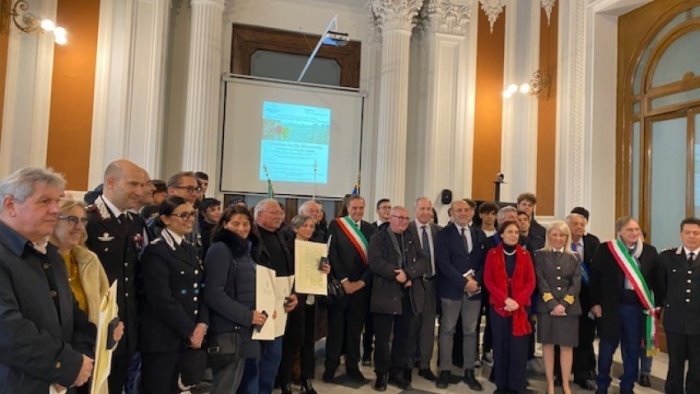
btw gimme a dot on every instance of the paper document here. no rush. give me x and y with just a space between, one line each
103 356
265 301
309 280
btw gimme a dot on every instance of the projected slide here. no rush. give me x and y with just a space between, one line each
294 141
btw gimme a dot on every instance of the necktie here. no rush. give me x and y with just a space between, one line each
426 248
584 266
691 258
467 240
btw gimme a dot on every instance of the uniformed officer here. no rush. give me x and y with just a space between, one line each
174 318
116 235
679 289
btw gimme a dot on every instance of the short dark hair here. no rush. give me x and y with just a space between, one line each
201 175
470 202
170 204
381 201
158 186
503 226
581 211
527 197
523 213
488 207
228 214
692 220
176 178
208 203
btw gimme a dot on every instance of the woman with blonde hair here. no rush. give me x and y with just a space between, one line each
558 281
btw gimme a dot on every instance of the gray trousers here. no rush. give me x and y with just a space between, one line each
228 378
426 330
450 312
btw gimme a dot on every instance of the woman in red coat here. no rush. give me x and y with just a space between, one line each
509 277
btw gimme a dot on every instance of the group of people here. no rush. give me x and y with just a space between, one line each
185 269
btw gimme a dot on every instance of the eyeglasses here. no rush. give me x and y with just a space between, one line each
74 220
189 189
400 217
185 215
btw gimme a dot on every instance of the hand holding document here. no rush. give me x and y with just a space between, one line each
265 302
307 257
103 353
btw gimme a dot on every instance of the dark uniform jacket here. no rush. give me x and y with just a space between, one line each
173 302
230 288
679 292
118 244
344 259
385 256
558 281
452 260
42 330
607 286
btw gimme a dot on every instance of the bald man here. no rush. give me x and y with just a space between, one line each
115 234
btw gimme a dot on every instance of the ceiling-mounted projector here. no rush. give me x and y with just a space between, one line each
336 39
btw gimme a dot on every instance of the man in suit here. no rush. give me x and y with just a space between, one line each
425 231
459 256
526 202
621 273
115 234
383 209
398 265
583 245
679 285
45 338
347 254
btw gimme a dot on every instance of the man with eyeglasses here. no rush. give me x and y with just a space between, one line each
383 210
115 234
459 254
398 264
185 185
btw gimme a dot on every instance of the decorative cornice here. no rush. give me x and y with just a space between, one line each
548 5
446 16
387 15
492 9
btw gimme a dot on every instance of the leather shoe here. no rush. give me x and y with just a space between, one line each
584 384
427 374
471 381
307 387
443 380
356 375
380 384
408 375
286 388
397 379
644 381
329 375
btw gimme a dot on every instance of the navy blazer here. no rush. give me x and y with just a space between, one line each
452 260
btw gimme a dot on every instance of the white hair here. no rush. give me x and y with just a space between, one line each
20 184
260 206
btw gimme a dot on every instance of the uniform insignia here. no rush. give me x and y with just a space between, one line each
105 237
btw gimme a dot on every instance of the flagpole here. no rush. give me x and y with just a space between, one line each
313 197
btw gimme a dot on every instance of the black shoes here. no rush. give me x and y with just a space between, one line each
644 381
471 381
380 384
585 384
328 375
427 374
443 380
356 375
366 359
398 379
307 387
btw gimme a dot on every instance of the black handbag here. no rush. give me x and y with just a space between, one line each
222 349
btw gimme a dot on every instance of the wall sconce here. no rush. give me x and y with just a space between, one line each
538 86
27 22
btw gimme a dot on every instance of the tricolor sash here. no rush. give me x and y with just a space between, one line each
354 234
634 275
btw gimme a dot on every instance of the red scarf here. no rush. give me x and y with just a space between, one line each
522 284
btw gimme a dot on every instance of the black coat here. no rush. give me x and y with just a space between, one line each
607 286
679 292
537 236
344 259
118 246
41 341
384 258
229 290
173 304
590 244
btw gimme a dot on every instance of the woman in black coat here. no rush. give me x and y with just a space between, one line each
230 296
174 317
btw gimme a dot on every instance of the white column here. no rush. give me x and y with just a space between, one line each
203 86
25 124
395 19
441 136
130 78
